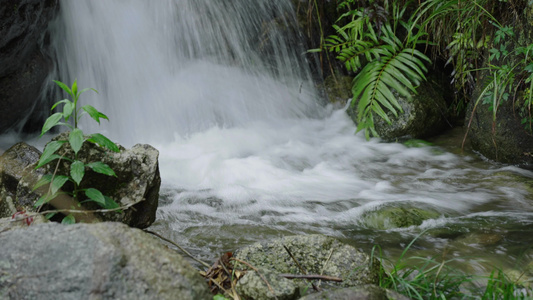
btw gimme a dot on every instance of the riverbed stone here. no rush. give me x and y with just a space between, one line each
93 261
253 286
316 254
25 64
366 292
395 216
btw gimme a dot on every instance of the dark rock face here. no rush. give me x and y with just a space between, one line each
24 66
15 163
93 261
504 139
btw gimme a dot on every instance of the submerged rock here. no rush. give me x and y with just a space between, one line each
389 217
93 261
316 254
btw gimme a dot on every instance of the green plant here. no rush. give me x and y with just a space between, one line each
72 112
435 278
387 66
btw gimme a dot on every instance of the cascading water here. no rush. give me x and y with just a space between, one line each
179 67
246 153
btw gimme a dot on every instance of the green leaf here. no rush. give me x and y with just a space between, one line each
48 159
76 140
103 141
77 171
63 86
110 203
58 182
94 113
48 153
51 122
46 179
50 215
95 195
44 199
75 88
68 108
69 220
101 168
59 102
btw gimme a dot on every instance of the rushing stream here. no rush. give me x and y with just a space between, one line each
247 150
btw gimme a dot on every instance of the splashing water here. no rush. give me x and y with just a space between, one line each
221 88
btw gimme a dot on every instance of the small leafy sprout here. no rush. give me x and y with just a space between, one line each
72 114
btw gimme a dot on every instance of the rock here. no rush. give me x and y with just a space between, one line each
393 216
138 181
93 261
21 221
317 254
25 66
15 163
366 292
424 115
506 140
253 286
338 89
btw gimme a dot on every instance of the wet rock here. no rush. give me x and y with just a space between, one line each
93 261
481 238
338 89
253 286
15 163
389 217
317 254
25 66
366 292
424 115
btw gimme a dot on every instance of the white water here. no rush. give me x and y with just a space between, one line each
242 138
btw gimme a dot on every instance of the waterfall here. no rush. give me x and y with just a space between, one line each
171 68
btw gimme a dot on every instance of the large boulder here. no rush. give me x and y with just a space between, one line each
93 261
316 254
136 186
24 64
423 115
505 139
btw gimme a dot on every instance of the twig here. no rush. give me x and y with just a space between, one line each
325 264
300 267
258 273
173 243
311 276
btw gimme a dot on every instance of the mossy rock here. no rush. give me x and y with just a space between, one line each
317 254
398 217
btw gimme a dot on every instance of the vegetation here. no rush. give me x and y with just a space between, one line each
434 278
72 112
386 44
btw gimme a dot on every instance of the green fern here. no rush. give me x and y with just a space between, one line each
386 66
